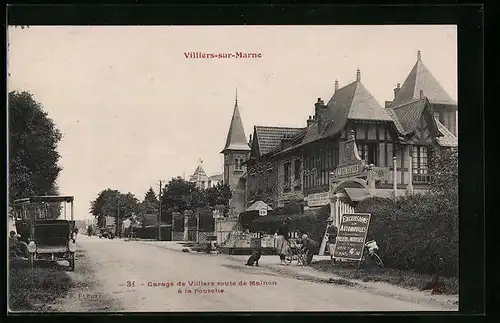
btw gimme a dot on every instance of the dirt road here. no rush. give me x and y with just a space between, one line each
120 275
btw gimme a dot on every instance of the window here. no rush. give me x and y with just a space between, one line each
269 179
420 160
237 164
297 169
368 153
241 163
202 185
286 177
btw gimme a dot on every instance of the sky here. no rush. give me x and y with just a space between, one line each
134 110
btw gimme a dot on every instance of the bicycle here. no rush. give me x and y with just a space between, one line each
295 252
370 251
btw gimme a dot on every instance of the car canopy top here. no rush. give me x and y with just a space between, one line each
48 199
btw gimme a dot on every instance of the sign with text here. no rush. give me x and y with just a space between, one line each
348 171
351 236
318 199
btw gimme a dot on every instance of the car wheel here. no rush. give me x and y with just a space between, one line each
71 260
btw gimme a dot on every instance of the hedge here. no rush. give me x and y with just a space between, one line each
417 232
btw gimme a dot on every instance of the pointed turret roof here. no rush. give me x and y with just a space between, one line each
352 102
236 139
419 82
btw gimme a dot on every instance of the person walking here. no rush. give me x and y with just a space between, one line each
282 240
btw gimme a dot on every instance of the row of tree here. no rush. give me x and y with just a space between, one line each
178 195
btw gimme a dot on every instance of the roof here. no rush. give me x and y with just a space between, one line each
48 199
198 174
421 79
259 205
448 139
408 115
236 139
269 138
352 102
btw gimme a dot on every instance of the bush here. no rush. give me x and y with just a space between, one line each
416 232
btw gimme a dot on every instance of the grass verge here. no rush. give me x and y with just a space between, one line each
35 289
402 278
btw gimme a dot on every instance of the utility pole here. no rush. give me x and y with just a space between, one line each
159 213
117 216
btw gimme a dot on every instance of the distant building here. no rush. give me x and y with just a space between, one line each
236 152
202 180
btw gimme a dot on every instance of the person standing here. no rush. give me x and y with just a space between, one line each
332 232
282 240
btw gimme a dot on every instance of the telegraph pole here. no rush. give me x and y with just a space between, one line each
159 214
117 216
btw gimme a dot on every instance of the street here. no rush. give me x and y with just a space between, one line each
137 276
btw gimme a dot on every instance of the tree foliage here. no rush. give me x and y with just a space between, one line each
420 232
33 156
180 195
109 202
444 172
150 203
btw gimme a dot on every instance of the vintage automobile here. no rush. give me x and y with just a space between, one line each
47 228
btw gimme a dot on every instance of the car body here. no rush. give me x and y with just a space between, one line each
47 228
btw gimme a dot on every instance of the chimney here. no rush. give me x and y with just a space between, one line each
419 56
285 141
396 90
358 76
317 106
336 85
421 94
310 121
318 114
250 141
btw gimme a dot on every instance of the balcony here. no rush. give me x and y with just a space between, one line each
421 177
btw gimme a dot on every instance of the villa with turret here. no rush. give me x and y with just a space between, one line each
350 148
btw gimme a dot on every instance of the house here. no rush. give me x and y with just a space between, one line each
202 180
352 147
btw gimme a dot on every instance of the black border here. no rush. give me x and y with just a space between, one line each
469 19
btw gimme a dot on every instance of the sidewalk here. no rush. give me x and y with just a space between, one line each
447 302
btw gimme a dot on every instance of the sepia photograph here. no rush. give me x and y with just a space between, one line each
260 168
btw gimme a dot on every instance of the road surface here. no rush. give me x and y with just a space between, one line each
141 277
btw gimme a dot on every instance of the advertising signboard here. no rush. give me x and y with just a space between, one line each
352 236
318 199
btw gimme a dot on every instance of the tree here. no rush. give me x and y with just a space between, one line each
109 201
444 172
33 156
218 195
176 195
150 203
